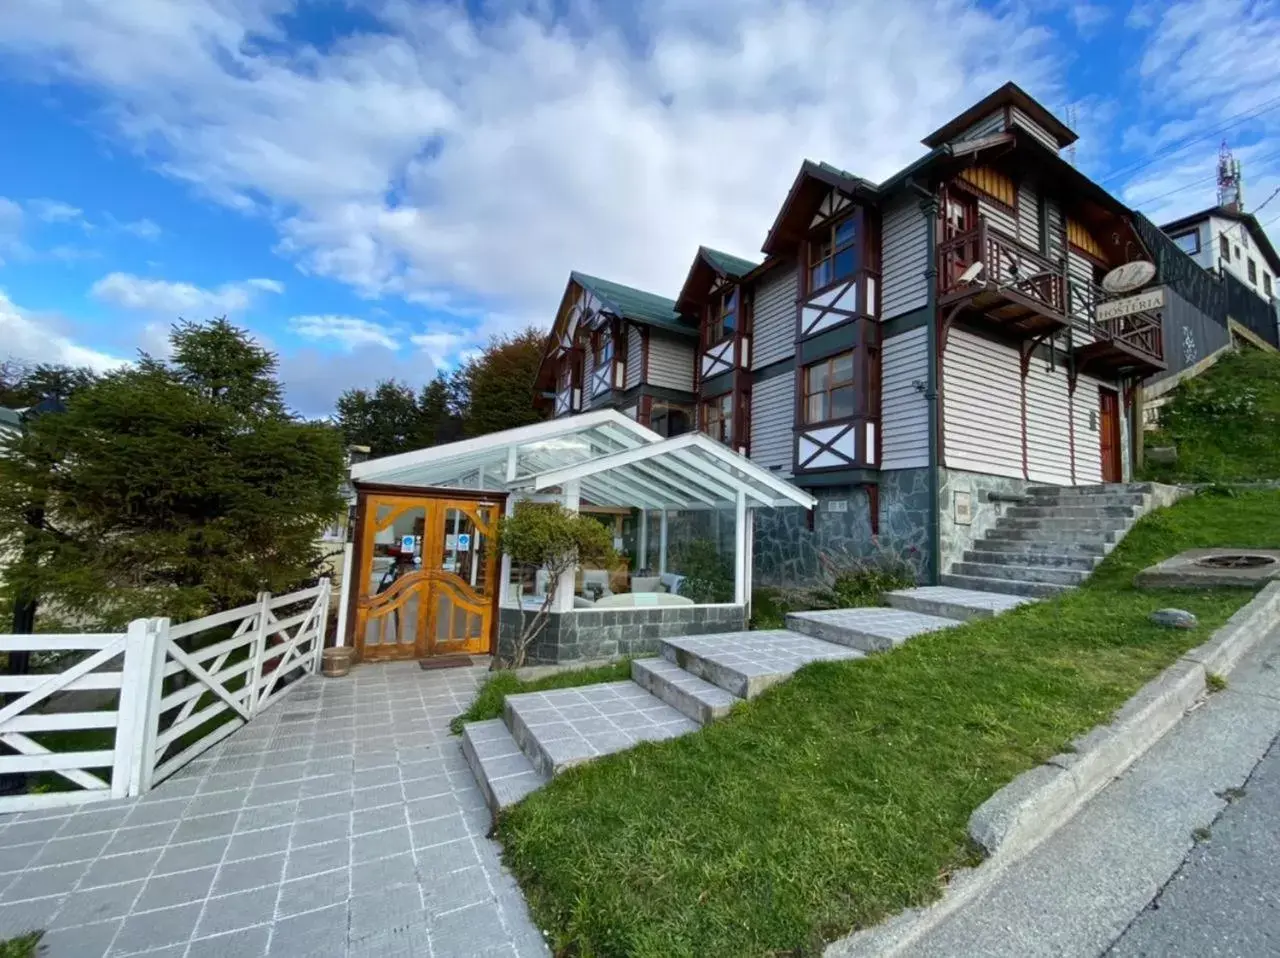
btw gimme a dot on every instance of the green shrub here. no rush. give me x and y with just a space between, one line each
708 574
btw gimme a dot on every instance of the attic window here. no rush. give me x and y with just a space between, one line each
724 315
833 254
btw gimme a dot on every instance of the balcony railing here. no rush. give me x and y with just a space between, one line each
1013 273
1005 263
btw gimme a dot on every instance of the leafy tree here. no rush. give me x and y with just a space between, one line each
178 487
23 384
387 420
501 383
546 536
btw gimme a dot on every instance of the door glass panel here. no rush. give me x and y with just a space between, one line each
394 587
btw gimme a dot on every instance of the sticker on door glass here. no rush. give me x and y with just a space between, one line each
450 542
407 543
464 541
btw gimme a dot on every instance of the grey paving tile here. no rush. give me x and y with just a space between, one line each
228 801
42 882
82 907
333 828
373 797
470 931
38 830
165 891
266 816
316 933
449 857
400 942
438 831
153 812
265 841
140 838
13 857
206 826
97 820
388 908
390 841
113 869
60 851
442 893
247 943
249 873
153 929
82 941
313 892
369 877
22 917
233 912
273 794
177 858
313 859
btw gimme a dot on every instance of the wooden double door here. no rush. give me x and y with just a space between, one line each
427 577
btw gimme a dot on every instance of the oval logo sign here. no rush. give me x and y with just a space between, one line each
1130 276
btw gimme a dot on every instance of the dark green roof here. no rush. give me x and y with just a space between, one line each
10 418
727 263
635 304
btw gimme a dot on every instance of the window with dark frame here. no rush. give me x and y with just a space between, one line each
1042 224
603 348
1253 272
828 389
833 254
717 418
1224 247
1266 283
669 421
724 316
1188 242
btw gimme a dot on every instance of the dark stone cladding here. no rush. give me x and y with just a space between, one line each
614 633
787 553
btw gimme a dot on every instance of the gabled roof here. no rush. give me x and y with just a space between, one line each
732 266
1248 220
708 264
648 309
1008 95
810 186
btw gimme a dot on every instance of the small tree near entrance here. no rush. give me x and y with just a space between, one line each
545 536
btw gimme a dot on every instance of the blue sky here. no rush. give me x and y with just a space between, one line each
375 188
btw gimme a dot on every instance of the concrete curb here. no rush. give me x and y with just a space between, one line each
1037 803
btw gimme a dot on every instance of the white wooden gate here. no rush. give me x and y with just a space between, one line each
159 695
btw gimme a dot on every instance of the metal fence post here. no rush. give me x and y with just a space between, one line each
259 648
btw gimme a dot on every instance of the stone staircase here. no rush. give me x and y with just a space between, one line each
693 681
1052 541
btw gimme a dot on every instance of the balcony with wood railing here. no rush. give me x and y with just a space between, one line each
1027 295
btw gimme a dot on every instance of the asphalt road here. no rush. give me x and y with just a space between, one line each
1225 899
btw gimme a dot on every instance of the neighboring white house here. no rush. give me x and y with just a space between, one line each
1222 239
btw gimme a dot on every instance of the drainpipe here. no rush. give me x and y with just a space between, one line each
929 206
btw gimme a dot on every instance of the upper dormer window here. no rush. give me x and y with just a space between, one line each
724 315
833 254
602 342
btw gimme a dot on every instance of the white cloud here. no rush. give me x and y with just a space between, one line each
349 332
143 229
40 339
1088 17
464 164
56 211
180 299
439 347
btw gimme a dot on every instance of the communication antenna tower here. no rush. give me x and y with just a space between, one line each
1230 184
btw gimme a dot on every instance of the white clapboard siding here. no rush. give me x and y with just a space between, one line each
1056 228
635 355
999 218
773 415
774 321
1024 122
1048 423
1080 289
1088 444
588 367
983 406
904 257
904 412
671 361
988 125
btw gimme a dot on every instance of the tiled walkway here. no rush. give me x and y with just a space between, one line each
343 821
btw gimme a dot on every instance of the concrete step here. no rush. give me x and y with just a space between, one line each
565 727
683 691
1051 537
1039 590
1106 488
746 663
1050 560
504 773
1022 542
1024 573
953 601
1070 512
1061 524
868 630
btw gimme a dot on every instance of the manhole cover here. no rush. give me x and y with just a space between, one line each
1235 562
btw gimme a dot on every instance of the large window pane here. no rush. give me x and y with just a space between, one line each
846 263
817 408
842 368
841 402
844 233
820 275
818 377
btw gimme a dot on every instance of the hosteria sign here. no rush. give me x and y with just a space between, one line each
1144 302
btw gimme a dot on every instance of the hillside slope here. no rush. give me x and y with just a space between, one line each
1224 423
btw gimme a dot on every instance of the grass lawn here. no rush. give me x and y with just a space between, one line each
488 701
842 796
1225 423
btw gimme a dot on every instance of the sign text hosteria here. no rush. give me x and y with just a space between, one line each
1144 302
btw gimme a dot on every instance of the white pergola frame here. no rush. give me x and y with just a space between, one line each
610 459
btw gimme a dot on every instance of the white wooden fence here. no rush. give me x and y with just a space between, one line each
174 692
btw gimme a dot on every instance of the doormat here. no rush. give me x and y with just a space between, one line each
446 662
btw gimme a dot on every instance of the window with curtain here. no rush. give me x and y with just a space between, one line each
717 417
828 389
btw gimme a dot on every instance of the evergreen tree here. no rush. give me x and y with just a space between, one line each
501 383
178 487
